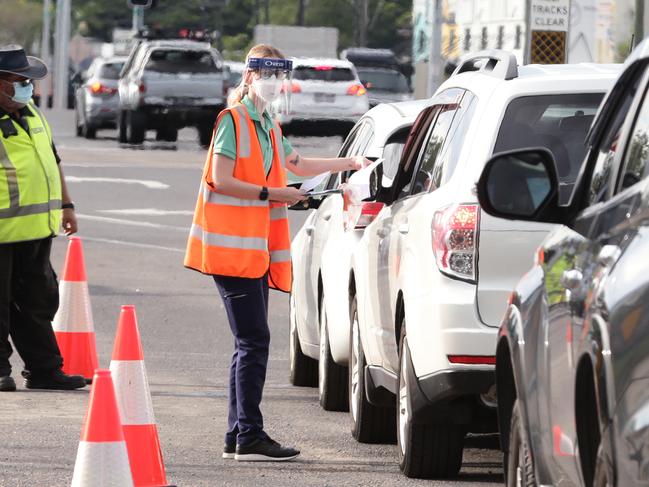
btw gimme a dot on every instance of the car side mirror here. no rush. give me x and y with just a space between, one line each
521 185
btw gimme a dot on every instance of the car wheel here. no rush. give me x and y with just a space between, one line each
88 131
205 135
77 123
602 474
167 134
370 423
518 460
121 127
135 127
303 369
426 451
332 378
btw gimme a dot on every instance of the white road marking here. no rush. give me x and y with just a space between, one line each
133 244
144 182
120 221
147 212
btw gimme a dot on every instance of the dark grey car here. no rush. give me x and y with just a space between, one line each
96 98
572 360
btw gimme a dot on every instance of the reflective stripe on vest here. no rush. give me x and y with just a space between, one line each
243 237
30 184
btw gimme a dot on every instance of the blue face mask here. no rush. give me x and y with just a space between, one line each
23 93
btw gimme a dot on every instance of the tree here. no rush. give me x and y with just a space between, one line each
21 22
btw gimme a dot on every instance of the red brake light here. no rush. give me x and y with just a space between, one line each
142 88
356 90
472 359
98 89
454 232
295 88
323 68
369 211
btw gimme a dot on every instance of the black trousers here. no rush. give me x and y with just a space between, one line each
246 304
29 299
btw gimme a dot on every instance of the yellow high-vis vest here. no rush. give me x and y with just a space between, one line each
243 237
30 182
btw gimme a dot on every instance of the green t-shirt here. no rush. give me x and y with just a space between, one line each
225 139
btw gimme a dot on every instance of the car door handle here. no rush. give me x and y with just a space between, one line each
309 230
404 228
608 255
382 233
572 278
326 216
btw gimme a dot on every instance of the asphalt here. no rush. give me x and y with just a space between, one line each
134 207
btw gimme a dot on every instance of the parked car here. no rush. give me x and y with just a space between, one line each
324 92
370 57
236 71
170 84
571 361
384 85
321 253
431 275
96 97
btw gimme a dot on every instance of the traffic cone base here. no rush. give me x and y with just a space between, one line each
145 455
78 363
91 466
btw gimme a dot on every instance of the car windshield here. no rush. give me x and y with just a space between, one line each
557 122
392 81
322 73
110 70
181 61
235 78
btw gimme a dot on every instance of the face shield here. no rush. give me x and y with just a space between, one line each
273 82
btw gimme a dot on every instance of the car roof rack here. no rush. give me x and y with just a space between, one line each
497 63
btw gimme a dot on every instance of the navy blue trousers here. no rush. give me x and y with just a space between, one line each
246 304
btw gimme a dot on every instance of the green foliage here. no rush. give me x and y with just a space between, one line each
20 22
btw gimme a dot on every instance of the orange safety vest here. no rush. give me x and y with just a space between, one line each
242 237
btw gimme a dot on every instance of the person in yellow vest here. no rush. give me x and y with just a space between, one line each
34 203
240 236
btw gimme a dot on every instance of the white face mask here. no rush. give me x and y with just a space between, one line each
268 89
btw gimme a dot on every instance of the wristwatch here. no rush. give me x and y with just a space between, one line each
67 206
263 194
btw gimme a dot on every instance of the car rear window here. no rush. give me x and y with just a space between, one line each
181 61
394 81
110 70
557 122
322 73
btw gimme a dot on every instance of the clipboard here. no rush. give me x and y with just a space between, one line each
324 192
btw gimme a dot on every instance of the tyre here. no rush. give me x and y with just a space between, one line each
121 127
603 477
303 369
135 127
332 378
426 451
77 123
370 424
167 134
88 131
205 135
519 470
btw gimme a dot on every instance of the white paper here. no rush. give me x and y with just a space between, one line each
314 182
358 183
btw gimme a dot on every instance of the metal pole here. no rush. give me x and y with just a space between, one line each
46 34
639 21
527 48
62 47
435 57
364 20
138 19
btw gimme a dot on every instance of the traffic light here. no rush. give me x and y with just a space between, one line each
141 3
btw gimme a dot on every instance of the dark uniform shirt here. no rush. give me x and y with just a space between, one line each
5 131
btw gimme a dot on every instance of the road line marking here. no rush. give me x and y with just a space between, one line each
133 223
133 244
144 182
147 212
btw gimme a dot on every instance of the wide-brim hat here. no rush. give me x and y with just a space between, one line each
14 60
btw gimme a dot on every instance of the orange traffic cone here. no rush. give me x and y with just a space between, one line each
102 459
134 399
73 324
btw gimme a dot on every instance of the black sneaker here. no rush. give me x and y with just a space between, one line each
229 451
7 383
55 380
265 450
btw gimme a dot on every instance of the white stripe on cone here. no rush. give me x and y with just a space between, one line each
132 391
102 465
75 313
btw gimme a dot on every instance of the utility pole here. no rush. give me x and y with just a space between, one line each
46 36
435 55
138 18
301 8
639 21
62 57
364 20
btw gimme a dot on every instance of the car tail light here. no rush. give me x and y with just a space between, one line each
455 234
295 88
356 90
100 89
472 359
142 88
323 68
369 211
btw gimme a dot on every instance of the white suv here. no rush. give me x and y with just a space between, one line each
432 273
321 255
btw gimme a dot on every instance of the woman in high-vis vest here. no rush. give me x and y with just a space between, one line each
240 236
